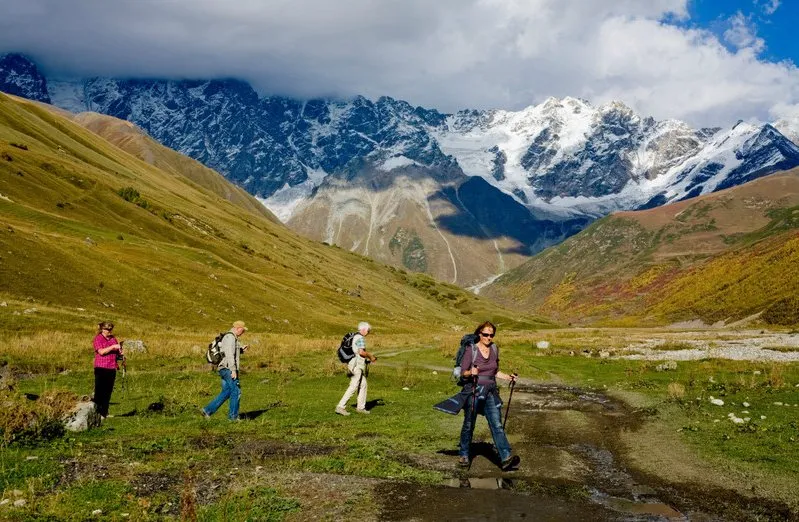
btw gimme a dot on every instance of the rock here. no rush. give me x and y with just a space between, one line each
30 311
89 241
717 402
542 345
7 380
745 404
777 404
405 388
97 512
134 346
20 502
435 372
17 493
32 457
4 502
82 417
666 366
3 304
604 354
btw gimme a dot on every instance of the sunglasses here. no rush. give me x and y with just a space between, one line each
489 335
109 329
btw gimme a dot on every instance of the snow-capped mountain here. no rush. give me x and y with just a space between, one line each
566 157
20 77
316 163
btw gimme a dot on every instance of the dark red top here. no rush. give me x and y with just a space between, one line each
487 367
108 361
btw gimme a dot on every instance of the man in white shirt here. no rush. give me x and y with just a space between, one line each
358 370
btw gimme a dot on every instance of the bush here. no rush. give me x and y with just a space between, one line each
25 421
132 195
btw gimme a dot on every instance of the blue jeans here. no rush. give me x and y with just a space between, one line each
230 390
493 414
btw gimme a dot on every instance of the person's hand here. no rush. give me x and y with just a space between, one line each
234 375
373 358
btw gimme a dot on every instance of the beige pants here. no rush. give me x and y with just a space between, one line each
357 383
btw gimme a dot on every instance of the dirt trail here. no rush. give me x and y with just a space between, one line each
573 468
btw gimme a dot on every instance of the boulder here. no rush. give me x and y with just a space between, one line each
6 378
542 345
82 417
134 346
666 366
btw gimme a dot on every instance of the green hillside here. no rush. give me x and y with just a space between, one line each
721 257
89 231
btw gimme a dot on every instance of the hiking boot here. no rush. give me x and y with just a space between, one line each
342 411
511 463
364 411
204 413
463 462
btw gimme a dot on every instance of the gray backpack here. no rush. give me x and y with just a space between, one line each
214 354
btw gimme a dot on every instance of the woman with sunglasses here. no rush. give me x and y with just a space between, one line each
106 351
480 365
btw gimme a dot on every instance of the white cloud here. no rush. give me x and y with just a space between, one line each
770 6
742 34
447 54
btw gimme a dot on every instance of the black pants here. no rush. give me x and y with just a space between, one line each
103 386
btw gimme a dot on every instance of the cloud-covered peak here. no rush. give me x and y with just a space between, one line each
447 54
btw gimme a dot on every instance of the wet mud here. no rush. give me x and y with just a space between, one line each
573 468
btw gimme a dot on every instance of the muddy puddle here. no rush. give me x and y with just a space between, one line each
573 468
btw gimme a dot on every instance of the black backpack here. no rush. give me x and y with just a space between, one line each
345 351
468 340
214 354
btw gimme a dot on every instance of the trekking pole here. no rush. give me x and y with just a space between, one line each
512 385
474 402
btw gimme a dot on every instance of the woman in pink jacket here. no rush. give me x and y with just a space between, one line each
106 351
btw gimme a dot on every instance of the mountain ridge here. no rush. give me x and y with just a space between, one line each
90 230
562 161
722 257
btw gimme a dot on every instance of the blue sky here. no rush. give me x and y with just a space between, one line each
706 62
776 23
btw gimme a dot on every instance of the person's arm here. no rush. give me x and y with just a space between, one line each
466 364
367 355
107 349
506 376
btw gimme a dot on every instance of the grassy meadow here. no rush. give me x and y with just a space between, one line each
157 458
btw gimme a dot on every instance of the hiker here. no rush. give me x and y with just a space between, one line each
228 369
106 352
484 396
358 370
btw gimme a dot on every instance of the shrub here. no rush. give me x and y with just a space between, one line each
676 390
132 195
25 421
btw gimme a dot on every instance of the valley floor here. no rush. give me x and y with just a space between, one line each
601 436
